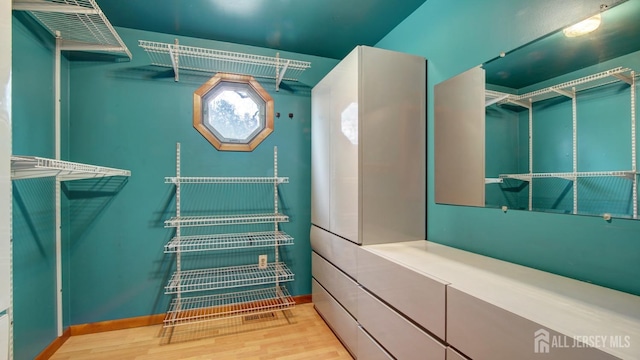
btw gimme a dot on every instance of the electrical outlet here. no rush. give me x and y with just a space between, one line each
262 261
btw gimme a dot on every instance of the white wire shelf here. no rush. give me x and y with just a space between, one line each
215 220
212 61
29 167
227 241
584 83
225 180
570 175
81 25
227 277
197 309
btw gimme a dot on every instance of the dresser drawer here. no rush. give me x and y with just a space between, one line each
339 285
338 319
400 337
369 349
484 331
416 295
338 251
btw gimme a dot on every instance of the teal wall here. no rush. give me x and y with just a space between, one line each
130 115
455 35
33 200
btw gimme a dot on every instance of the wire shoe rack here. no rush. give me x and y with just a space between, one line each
271 296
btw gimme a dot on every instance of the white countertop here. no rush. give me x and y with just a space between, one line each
568 306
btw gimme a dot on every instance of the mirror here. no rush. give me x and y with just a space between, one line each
558 117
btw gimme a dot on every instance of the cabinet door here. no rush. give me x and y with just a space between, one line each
393 146
344 148
321 151
459 135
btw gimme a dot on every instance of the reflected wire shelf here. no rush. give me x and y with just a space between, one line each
227 241
227 277
214 220
225 180
570 175
212 307
565 89
584 83
29 167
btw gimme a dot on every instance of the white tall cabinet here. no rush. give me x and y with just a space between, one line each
368 148
5 178
368 182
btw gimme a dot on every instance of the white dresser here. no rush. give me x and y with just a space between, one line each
499 310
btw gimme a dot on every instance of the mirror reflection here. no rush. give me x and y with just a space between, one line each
560 121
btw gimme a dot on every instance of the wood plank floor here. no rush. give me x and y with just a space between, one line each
302 334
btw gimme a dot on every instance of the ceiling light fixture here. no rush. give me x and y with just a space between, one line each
583 27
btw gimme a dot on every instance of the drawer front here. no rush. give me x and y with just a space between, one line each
483 331
454 355
338 319
401 338
338 251
420 297
369 349
339 285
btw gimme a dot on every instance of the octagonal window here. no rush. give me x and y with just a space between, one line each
233 112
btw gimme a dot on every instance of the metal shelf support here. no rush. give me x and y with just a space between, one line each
634 143
568 94
493 181
280 72
574 145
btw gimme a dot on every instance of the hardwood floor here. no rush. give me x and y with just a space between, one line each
302 334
